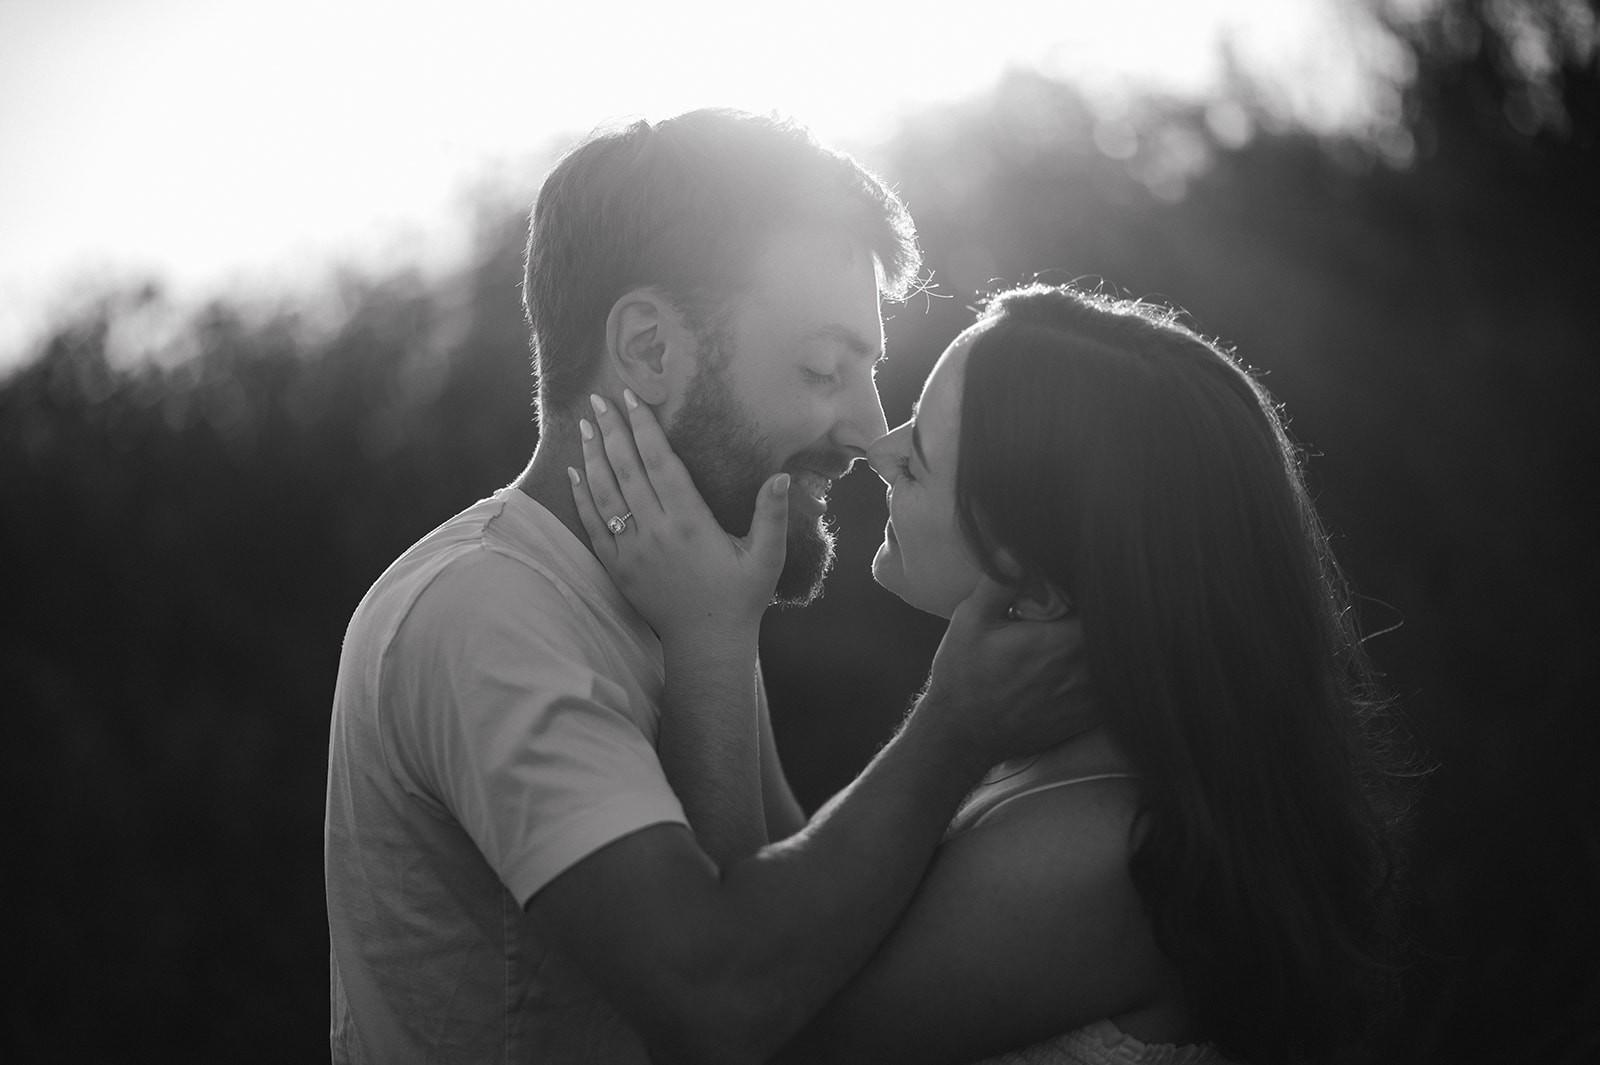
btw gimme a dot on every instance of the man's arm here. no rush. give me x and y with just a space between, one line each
1023 928
725 966
718 960
713 967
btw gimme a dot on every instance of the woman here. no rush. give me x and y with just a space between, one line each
1202 876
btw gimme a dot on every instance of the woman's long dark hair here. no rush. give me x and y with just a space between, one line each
1140 469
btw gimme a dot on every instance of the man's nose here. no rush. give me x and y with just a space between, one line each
861 420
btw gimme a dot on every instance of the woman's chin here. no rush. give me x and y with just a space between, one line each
887 572
886 569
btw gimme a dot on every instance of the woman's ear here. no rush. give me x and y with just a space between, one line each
645 338
1041 601
1037 599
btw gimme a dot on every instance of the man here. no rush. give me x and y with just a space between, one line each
509 875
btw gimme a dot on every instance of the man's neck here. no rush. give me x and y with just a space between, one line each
545 480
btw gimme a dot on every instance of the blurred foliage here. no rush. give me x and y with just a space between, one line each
190 530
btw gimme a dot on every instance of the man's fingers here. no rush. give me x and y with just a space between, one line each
1067 634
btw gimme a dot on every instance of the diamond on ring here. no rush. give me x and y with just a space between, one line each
618 522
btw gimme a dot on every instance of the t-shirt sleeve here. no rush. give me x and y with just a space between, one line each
505 718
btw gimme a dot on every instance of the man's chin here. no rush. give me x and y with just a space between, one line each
807 565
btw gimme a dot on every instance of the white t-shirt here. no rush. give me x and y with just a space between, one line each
494 723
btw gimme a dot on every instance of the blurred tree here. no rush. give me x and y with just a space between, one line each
190 540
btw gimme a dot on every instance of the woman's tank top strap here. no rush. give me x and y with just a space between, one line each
1051 786
1103 1043
989 799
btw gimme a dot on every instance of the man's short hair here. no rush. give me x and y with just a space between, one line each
684 205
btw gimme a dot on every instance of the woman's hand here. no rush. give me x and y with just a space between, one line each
703 591
668 555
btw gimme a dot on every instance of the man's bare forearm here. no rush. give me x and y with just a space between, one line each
800 916
740 957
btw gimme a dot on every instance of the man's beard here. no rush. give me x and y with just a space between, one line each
726 456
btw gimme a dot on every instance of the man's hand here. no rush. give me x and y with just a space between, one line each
1008 687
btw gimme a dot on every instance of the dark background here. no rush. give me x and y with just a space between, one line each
186 538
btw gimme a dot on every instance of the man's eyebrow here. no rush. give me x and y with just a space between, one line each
849 339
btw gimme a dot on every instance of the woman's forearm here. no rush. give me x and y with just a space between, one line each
709 741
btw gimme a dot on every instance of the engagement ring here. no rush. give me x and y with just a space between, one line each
617 523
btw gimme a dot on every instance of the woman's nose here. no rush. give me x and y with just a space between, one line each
881 457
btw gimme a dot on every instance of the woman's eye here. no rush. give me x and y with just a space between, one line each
813 377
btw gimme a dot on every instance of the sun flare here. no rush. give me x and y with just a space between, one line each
207 141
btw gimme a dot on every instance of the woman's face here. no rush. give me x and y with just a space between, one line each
924 558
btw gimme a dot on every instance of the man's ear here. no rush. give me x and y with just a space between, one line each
648 344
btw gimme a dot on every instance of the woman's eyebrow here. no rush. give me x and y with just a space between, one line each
916 445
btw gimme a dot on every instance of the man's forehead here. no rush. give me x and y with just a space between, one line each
829 319
799 259
852 338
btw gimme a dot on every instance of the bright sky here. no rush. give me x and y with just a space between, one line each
215 142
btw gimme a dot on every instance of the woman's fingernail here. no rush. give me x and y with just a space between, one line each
780 484
597 403
572 475
629 398
585 429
